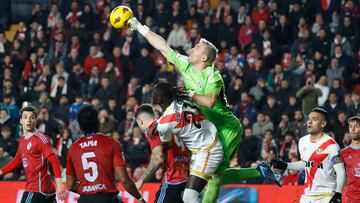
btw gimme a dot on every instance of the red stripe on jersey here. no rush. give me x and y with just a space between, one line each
181 117
317 159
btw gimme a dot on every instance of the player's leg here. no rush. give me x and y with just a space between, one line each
230 140
194 186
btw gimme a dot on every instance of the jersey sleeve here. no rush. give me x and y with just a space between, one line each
214 84
164 131
155 141
118 159
180 61
335 154
46 148
70 170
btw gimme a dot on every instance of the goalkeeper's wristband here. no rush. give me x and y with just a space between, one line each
142 29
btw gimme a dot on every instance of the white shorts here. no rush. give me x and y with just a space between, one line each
205 162
315 199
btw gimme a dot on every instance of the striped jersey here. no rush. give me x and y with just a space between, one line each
188 124
320 157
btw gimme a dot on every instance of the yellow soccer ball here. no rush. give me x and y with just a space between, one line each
119 17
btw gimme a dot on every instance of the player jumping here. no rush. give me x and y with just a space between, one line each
198 135
92 162
321 160
33 154
351 157
207 92
173 158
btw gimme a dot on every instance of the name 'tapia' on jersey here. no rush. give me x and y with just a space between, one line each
187 123
320 157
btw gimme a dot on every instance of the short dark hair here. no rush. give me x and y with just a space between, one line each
88 119
321 111
29 108
144 108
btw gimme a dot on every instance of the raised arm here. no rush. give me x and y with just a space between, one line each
154 39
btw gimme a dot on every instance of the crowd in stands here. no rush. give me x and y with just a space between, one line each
279 59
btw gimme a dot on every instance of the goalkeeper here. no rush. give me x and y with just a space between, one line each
206 89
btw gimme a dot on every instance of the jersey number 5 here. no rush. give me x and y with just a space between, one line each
189 117
89 165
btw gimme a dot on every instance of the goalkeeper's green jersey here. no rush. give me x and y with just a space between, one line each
207 81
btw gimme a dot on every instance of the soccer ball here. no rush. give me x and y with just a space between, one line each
119 17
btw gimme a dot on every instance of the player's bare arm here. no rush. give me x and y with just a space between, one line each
127 183
154 39
156 160
207 100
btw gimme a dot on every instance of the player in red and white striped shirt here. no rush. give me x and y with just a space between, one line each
321 160
33 154
351 157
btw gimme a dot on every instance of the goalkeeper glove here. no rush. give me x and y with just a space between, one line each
136 25
336 198
280 164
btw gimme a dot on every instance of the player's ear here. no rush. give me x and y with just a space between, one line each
204 58
323 124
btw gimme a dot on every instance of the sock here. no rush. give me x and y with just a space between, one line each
191 196
213 189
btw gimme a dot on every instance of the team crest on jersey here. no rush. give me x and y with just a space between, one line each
319 151
28 147
200 85
357 170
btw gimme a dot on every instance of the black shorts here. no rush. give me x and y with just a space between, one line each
100 197
170 193
37 197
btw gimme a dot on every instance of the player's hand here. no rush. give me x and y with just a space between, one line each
1 172
336 198
139 184
61 193
279 164
133 23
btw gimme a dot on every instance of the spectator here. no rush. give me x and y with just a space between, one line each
208 30
291 106
260 91
58 48
261 12
335 71
223 10
246 33
132 89
322 85
322 43
288 147
54 16
176 15
7 140
268 147
227 31
309 95
337 87
340 127
47 124
126 126
9 105
106 91
43 101
283 33
262 124
241 14
292 177
298 126
5 158
234 90
164 75
114 110
75 107
137 153
177 37
95 57
233 60
343 42
60 89
333 106
249 150
283 126
354 108
145 67
272 109
61 111
161 16
63 145
89 19
107 124
245 108
283 93
5 45
74 13
92 83
78 80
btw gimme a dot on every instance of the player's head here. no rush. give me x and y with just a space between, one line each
144 116
88 118
164 93
28 118
354 127
203 52
316 121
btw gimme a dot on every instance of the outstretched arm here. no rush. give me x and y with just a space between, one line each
13 164
154 39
